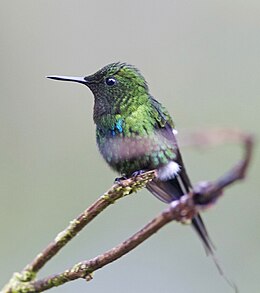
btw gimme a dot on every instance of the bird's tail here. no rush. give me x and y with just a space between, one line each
173 189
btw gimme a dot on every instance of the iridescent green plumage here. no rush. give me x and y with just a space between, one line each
131 125
135 132
133 140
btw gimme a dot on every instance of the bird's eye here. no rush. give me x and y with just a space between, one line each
110 81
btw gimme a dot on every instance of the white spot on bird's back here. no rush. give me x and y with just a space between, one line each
168 171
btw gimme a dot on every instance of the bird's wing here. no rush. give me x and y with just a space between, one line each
165 126
175 187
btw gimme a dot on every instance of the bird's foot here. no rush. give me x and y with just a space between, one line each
137 173
119 180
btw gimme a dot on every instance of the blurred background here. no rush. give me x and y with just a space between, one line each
201 60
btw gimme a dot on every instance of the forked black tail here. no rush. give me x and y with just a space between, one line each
173 189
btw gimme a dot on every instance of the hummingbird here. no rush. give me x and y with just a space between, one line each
135 133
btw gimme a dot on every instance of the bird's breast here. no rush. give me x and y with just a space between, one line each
136 152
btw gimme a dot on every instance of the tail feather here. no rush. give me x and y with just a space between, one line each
173 189
200 228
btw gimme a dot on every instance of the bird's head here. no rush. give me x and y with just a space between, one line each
112 85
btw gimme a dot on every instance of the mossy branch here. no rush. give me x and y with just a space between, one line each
204 195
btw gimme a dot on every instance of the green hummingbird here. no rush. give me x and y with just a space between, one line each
135 133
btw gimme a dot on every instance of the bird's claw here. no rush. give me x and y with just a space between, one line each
119 180
137 173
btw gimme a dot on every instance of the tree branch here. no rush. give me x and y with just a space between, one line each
203 196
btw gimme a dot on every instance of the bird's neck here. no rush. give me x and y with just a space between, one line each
108 112
132 119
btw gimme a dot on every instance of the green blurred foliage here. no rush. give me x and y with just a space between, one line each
201 59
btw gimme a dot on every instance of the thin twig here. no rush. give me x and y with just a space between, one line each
238 172
203 195
116 192
180 210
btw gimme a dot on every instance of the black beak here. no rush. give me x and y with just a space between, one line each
69 78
